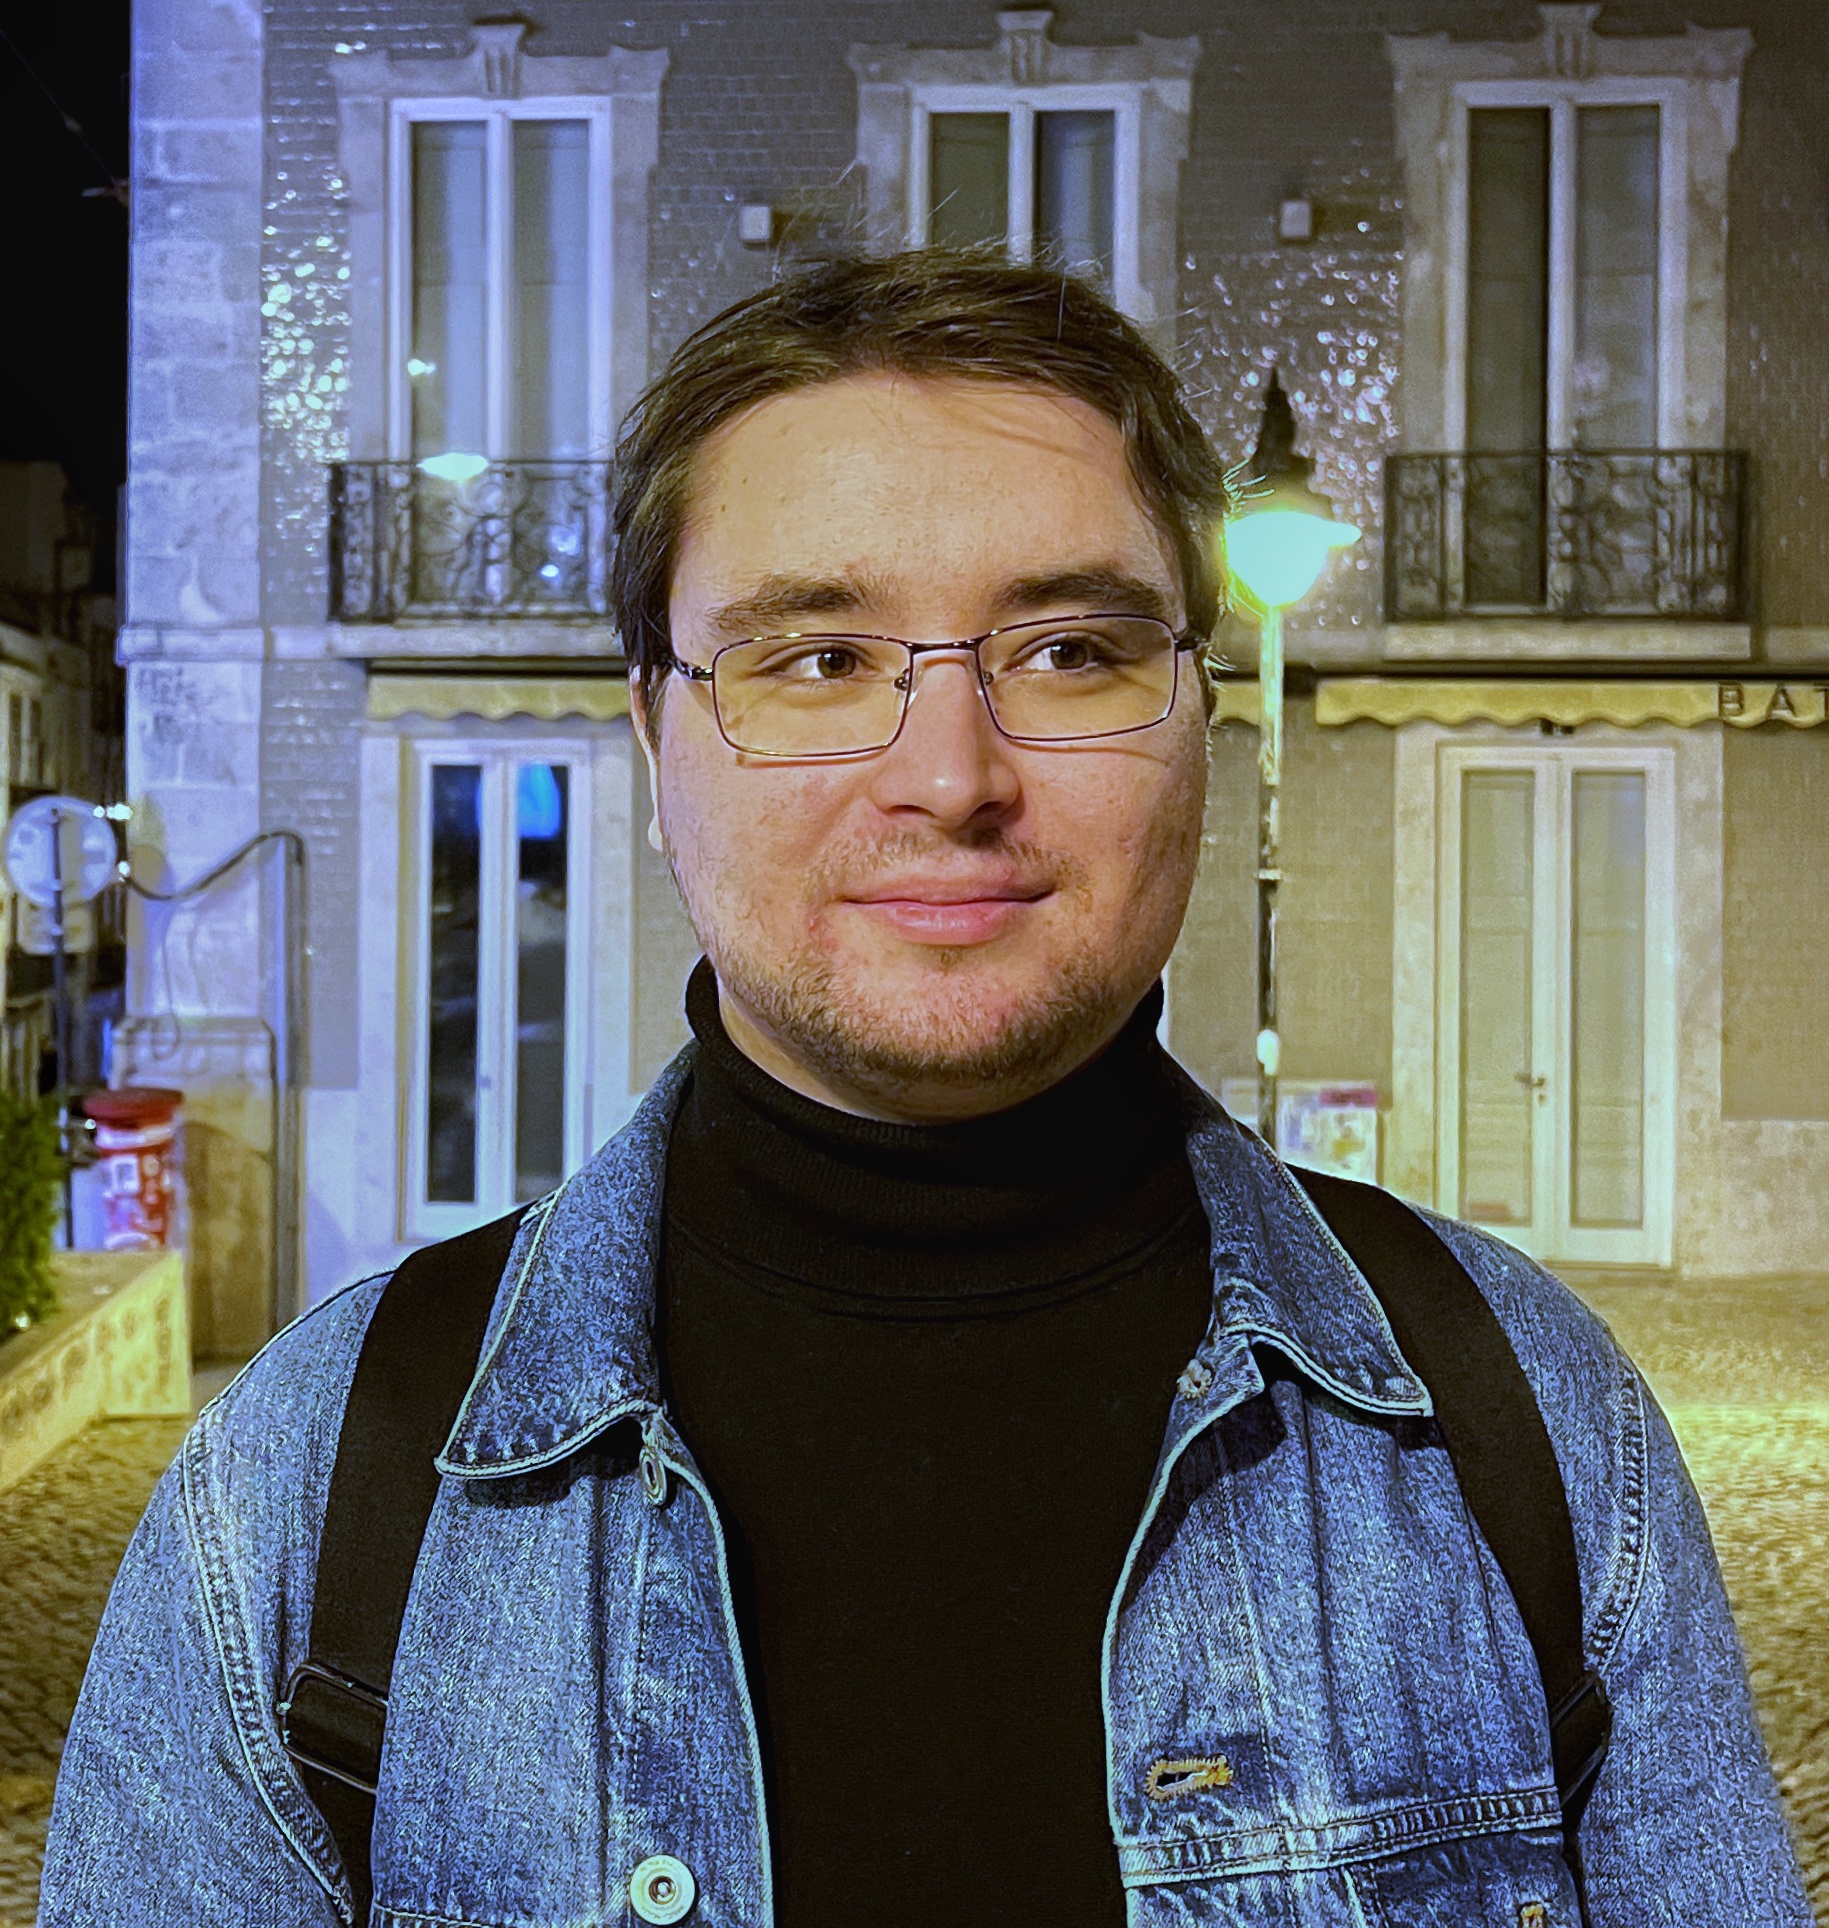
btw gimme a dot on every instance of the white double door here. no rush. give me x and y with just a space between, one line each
1556 986
513 902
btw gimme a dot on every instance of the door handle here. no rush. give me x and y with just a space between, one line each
1530 1083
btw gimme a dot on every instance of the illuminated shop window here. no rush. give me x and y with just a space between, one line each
498 1100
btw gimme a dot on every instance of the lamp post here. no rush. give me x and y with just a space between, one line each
1276 547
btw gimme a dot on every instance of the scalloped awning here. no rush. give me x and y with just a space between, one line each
1741 702
598 699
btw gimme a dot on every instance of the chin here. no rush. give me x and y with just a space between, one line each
943 1018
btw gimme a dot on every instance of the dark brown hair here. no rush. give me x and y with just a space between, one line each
929 312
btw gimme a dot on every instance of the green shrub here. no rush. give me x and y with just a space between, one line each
31 1197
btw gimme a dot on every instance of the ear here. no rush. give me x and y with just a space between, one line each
639 717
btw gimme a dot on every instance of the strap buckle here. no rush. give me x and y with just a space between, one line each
333 1724
1581 1725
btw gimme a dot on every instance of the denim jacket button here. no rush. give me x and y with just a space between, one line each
654 1490
662 1889
1194 1382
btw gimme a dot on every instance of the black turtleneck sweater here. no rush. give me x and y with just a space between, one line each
925 1371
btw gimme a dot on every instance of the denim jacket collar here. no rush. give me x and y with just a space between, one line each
570 1346
570 1349
1280 1277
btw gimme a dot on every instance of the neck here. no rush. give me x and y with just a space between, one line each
1033 1192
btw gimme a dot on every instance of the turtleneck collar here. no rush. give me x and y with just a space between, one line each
1089 1174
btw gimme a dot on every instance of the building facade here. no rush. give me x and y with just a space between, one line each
1546 286
60 698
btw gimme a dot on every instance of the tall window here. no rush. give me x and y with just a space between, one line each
1562 277
1067 153
503 300
1562 296
1037 180
498 1105
1048 173
1564 404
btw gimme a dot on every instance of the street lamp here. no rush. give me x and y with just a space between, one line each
1277 544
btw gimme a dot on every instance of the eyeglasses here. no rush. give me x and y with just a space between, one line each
1066 680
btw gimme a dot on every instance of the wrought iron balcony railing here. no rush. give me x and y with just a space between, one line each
1569 533
518 539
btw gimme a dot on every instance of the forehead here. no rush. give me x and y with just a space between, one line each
911 482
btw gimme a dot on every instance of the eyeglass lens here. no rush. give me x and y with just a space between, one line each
1054 681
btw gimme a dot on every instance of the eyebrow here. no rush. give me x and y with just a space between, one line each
1114 592
779 602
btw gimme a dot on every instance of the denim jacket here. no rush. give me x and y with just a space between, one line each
1306 1598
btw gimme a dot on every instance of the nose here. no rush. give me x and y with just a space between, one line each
949 763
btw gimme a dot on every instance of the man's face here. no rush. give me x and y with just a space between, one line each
947 926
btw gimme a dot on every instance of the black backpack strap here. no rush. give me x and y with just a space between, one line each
1500 1448
417 1360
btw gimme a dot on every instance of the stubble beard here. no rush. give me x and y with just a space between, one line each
936 1041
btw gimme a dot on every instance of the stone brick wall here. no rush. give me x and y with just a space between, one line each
304 266
193 487
1778 302
1778 296
241 368
759 104
1774 924
310 777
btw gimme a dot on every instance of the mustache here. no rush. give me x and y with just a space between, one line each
858 865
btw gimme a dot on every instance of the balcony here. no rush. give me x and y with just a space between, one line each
1579 534
517 540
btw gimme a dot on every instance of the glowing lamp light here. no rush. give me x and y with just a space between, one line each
455 465
1276 547
1276 555
417 368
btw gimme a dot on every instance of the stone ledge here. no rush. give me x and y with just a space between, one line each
118 1348
1554 639
174 643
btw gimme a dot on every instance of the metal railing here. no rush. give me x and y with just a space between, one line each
1569 533
519 539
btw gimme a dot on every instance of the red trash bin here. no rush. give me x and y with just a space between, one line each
136 1132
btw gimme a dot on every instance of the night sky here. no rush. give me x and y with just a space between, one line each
63 312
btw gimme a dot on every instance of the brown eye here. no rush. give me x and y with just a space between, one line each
1068 652
831 664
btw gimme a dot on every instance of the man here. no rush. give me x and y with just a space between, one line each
932 1467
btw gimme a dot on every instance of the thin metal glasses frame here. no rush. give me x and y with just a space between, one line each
1184 641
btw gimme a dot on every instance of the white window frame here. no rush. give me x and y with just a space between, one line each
1147 83
361 1221
423 1218
1564 100
498 117
1021 105
380 94
1694 77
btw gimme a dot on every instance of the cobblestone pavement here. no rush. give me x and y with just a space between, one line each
1742 1369
63 1530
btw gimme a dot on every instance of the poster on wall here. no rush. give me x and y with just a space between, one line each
1326 1127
